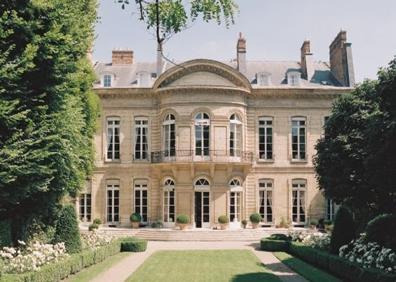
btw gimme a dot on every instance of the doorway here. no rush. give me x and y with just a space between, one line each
201 209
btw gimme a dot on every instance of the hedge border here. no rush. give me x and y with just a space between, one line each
74 263
272 245
133 245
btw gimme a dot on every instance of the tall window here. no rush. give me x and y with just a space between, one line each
235 200
85 207
169 129
107 80
113 138
265 198
330 209
141 203
169 201
298 138
113 203
202 132
235 136
298 199
141 139
265 138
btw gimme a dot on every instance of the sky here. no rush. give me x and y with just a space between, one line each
274 30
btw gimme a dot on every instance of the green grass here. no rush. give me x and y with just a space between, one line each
91 272
306 270
197 266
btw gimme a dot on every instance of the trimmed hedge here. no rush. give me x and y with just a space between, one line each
271 245
133 245
382 230
337 265
70 265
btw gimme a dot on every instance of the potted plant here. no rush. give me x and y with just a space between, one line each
223 220
182 221
255 219
244 223
135 219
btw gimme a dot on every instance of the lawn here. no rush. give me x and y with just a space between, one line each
213 265
306 270
91 272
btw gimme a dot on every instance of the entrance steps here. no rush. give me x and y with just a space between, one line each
157 234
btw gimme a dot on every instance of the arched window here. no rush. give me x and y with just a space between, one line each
202 134
169 130
235 203
298 201
265 198
235 136
169 200
201 183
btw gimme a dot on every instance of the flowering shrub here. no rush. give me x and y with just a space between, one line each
30 257
369 255
313 239
93 239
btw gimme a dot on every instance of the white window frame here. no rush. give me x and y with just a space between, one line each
111 186
169 187
330 209
85 214
202 185
299 126
294 78
236 137
263 79
169 127
266 123
107 80
140 186
202 121
266 194
299 186
235 197
113 124
141 123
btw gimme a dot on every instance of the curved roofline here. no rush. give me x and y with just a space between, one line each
197 65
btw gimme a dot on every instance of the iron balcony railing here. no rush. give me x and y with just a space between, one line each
201 156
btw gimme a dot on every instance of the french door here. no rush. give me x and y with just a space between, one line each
202 210
141 201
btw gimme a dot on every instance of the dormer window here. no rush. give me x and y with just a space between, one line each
263 79
293 78
107 80
143 79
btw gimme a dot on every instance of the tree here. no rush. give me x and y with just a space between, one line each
168 17
48 111
355 161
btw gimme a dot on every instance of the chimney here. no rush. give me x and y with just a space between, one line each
122 57
159 59
241 54
341 63
307 61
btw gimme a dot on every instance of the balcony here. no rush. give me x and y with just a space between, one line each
185 156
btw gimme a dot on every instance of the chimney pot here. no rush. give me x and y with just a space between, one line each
241 54
341 62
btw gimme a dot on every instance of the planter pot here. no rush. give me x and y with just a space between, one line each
223 226
182 226
135 225
254 225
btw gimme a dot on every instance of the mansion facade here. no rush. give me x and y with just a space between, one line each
207 138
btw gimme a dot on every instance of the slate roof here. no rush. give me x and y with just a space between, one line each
126 75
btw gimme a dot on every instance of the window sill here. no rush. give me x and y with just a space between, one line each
299 161
112 161
265 161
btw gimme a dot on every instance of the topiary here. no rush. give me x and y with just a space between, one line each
93 226
135 217
244 223
344 229
223 219
382 230
97 221
255 218
67 230
182 219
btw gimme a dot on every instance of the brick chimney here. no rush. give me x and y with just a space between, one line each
341 63
241 54
122 57
307 67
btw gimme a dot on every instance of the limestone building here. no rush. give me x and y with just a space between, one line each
207 138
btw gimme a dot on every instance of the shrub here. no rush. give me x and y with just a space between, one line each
135 217
157 224
67 230
133 245
244 223
282 237
313 222
97 221
223 219
5 233
93 226
255 218
94 239
382 230
272 245
182 219
344 229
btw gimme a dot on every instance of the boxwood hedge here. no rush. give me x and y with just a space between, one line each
133 245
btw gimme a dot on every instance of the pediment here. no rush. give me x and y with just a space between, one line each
202 78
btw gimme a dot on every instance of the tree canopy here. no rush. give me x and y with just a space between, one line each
356 159
48 111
